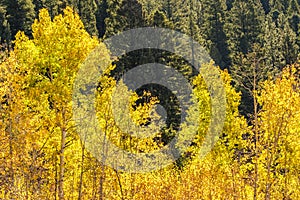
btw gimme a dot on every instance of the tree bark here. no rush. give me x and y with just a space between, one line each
62 165
81 172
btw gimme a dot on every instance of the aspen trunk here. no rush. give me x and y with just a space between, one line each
62 165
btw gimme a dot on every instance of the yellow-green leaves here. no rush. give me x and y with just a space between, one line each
279 132
37 83
42 157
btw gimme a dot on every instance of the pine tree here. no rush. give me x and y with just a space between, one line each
266 6
123 15
229 4
55 7
290 48
293 7
286 16
87 12
150 6
273 43
294 15
169 8
101 15
159 19
185 17
5 33
20 15
278 7
243 28
212 29
38 5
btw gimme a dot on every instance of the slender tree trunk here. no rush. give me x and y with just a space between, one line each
234 190
81 172
104 150
11 164
95 190
11 137
255 105
102 177
62 164
120 185
285 195
56 176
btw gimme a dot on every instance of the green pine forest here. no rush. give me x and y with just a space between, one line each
254 45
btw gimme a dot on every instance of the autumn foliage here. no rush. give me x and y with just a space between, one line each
42 156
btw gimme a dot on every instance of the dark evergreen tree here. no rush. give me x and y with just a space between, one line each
229 4
169 8
101 15
266 5
243 28
87 11
278 6
186 17
293 7
20 15
38 5
273 43
55 7
123 15
212 29
290 48
5 35
159 19
287 14
149 7
294 15
192 19
244 31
